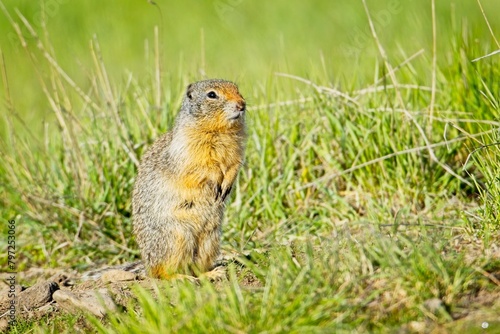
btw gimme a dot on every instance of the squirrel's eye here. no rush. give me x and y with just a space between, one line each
211 95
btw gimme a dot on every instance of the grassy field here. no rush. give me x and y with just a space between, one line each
369 197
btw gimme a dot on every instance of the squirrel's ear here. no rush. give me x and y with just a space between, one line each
189 92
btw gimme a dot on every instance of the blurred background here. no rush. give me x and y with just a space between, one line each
242 40
393 179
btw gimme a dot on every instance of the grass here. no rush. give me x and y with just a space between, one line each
370 187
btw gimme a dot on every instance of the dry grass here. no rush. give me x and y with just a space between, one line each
371 208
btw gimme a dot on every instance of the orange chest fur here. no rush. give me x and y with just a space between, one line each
210 159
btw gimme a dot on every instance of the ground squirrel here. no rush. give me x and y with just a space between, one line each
184 179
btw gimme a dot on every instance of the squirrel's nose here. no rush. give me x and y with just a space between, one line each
241 106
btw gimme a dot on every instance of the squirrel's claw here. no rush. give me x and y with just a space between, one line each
221 193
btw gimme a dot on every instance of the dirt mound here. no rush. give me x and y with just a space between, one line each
94 292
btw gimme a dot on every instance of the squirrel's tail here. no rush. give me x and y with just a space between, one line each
133 267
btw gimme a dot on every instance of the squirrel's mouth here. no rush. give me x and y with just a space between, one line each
236 115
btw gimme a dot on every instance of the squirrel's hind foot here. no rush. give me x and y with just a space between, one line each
215 275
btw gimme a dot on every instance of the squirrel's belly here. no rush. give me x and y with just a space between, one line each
192 204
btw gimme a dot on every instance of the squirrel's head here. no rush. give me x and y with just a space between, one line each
215 100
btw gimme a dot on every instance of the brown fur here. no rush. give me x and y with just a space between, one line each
183 182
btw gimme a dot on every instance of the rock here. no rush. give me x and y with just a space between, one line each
97 302
27 299
117 275
37 296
